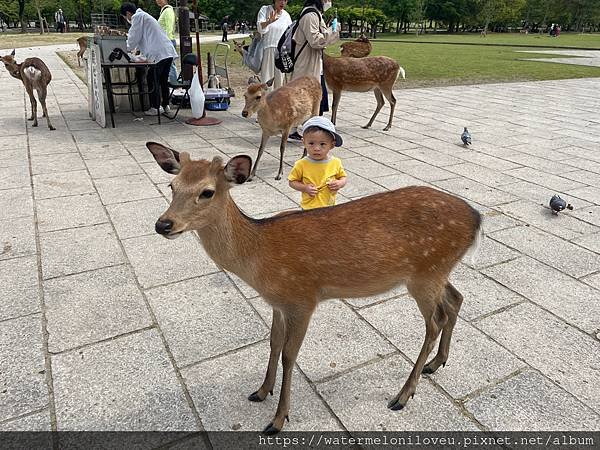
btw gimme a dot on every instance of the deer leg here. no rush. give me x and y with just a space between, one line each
277 336
261 149
380 103
390 98
33 117
284 134
453 300
296 325
337 95
42 97
430 301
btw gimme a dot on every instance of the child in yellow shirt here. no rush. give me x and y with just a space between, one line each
318 175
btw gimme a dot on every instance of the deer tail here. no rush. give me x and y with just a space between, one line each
475 246
32 73
401 72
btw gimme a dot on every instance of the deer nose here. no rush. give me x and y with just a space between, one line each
244 113
163 226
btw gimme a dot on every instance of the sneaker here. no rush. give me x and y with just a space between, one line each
167 109
294 137
153 111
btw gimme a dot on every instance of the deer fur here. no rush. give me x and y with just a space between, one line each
359 48
240 47
413 236
35 75
281 110
373 73
82 43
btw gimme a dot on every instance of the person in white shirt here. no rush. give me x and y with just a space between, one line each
150 39
272 21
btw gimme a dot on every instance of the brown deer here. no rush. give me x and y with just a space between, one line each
35 75
373 73
358 48
281 110
82 42
404 236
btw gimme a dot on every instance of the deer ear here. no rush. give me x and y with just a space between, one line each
13 52
166 158
270 82
238 168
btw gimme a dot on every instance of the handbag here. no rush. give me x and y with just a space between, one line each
253 57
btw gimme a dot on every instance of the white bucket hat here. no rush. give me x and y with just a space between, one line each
325 124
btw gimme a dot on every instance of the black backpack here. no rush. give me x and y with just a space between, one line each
285 56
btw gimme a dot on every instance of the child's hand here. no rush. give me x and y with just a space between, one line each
311 190
335 185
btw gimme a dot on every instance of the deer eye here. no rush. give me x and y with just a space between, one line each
208 193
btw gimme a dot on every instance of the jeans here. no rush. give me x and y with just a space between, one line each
173 68
162 74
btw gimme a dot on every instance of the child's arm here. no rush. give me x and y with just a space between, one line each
300 186
336 185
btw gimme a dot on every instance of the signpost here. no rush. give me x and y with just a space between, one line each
95 81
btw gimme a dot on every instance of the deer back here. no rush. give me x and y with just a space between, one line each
44 76
359 74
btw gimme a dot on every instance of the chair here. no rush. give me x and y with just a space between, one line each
191 60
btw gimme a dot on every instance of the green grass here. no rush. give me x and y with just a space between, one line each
19 40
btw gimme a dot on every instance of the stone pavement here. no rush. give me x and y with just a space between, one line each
576 57
104 325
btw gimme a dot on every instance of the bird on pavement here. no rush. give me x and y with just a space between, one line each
557 204
465 137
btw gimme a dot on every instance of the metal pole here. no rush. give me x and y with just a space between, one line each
197 25
185 41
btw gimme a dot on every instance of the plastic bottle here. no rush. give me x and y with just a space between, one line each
334 22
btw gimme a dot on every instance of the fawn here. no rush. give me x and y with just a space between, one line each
406 236
35 75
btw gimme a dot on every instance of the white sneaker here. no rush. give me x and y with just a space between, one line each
153 111
167 109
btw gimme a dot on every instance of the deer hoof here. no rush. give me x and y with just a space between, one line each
270 430
366 127
34 124
30 118
254 397
52 128
387 128
397 406
278 177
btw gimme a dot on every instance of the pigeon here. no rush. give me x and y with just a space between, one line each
557 204
466 137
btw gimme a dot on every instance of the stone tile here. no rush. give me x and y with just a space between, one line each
593 280
157 260
481 294
123 384
70 212
375 152
488 253
494 221
547 180
359 398
491 162
204 317
483 175
542 164
16 203
337 340
474 191
101 150
125 189
39 421
258 197
57 163
19 286
399 180
114 167
365 301
588 193
79 249
93 306
52 185
589 214
155 173
433 157
357 187
534 193
17 238
367 168
529 402
220 389
556 252
422 171
591 242
583 177
14 177
474 361
562 353
22 374
136 218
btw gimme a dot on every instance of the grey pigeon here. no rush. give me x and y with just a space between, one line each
465 137
557 204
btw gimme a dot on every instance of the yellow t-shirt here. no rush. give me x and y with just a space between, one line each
317 173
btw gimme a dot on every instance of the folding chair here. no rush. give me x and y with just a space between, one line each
191 60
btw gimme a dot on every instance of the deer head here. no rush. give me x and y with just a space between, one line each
254 97
11 65
239 46
200 188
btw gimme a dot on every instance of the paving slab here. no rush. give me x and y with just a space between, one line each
136 218
62 184
70 212
16 203
19 286
17 237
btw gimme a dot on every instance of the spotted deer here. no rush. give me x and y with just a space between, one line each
377 242
371 73
82 43
35 75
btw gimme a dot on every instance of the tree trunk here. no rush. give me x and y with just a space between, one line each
41 19
22 16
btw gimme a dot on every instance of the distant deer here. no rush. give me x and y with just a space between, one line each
35 75
240 47
373 73
82 42
384 240
281 110
358 48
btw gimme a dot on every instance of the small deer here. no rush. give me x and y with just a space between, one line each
281 110
359 48
82 43
240 47
373 73
35 75
398 237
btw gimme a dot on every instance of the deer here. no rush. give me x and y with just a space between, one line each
358 48
405 236
34 74
372 73
281 110
82 43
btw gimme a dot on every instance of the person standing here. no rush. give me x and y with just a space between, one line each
271 22
59 19
149 38
224 27
166 20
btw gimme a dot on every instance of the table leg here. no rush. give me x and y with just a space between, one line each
109 94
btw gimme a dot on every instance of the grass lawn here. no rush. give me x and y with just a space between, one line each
11 40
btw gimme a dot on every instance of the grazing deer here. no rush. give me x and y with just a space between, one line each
373 73
359 48
406 236
82 42
35 75
240 47
281 110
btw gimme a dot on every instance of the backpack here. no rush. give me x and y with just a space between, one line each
285 56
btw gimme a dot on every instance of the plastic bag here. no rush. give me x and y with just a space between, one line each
196 97
254 55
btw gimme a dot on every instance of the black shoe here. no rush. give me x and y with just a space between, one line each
294 137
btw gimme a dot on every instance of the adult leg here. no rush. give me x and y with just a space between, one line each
154 90
163 79
173 68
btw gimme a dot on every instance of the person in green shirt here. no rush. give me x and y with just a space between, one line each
167 23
